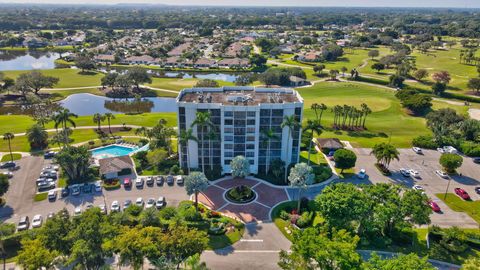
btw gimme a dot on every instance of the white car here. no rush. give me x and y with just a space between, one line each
37 221
414 173
77 212
418 187
441 150
179 180
362 174
150 203
441 174
417 150
52 195
115 206
98 186
139 201
405 172
160 202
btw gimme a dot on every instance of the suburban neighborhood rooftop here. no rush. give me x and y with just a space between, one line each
239 95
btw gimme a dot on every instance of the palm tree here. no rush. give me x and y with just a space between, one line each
211 136
9 137
315 107
365 111
146 132
202 120
109 117
37 136
267 137
98 118
322 108
63 117
184 138
290 122
314 127
385 153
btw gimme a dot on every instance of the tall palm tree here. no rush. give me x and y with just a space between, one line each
322 108
37 136
385 153
202 120
211 136
315 107
267 136
314 127
109 117
98 118
290 122
63 118
184 138
9 137
365 111
146 132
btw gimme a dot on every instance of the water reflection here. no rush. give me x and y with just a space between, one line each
27 60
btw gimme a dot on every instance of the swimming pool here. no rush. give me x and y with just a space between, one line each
112 151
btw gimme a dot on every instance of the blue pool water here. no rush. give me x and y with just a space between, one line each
112 151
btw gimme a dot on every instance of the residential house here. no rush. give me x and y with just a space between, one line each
114 167
104 58
234 63
310 57
205 63
140 60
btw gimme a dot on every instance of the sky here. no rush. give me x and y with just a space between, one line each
346 3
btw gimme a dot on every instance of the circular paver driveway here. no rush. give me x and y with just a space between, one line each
257 210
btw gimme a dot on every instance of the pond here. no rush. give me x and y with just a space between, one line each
88 104
27 60
219 76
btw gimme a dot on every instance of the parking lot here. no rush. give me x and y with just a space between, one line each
426 164
23 188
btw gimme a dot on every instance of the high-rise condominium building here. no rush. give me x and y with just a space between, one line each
240 118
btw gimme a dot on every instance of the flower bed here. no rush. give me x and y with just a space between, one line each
240 194
382 169
111 184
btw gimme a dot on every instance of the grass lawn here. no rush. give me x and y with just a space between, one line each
472 208
221 241
7 157
62 94
315 158
178 84
20 123
280 223
386 110
40 196
68 77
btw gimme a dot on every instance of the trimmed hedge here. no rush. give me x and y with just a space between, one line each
425 141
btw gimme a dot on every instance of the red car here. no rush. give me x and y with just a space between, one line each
462 193
127 183
434 206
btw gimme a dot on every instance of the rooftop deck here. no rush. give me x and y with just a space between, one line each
242 96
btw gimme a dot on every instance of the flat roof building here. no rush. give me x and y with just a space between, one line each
240 117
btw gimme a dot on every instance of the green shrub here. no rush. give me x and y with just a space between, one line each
168 213
189 213
305 219
322 173
111 184
425 141
284 215
470 149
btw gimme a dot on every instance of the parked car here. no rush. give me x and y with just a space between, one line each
160 180
98 186
441 174
139 182
450 150
75 190
434 206
441 150
418 187
37 221
8 165
477 190
417 150
115 206
103 208
476 160
51 167
52 195
160 202
362 174
139 201
127 203
49 154
462 193
179 180
23 224
89 206
8 174
65 192
127 183
405 172
150 203
150 181
44 185
414 173
87 188
170 180
49 174
77 212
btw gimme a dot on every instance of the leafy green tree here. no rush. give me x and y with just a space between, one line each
110 79
414 207
439 88
301 175
240 166
450 162
333 74
54 232
373 53
344 159
290 122
131 245
474 84
4 184
34 255
138 75
37 137
75 162
34 81
396 81
402 261
9 137
318 68
471 263
420 74
193 263
207 83
378 67
196 182
98 118
442 77
84 62
258 60
385 153
313 248
202 121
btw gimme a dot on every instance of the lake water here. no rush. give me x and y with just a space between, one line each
21 60
88 104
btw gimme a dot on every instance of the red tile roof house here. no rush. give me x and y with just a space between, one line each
104 58
310 57
234 63
173 61
205 63
234 50
140 60
177 51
